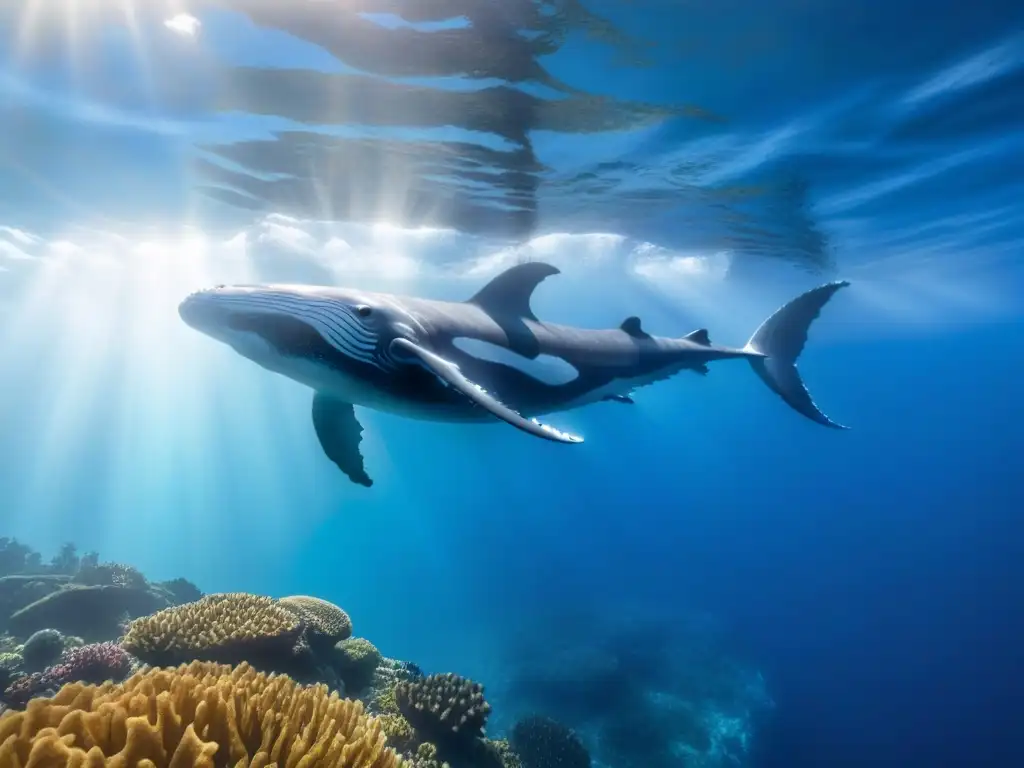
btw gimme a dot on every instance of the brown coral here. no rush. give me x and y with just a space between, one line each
223 627
444 708
323 618
202 715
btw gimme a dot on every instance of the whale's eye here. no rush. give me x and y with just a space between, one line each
364 311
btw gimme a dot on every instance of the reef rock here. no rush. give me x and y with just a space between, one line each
18 591
93 613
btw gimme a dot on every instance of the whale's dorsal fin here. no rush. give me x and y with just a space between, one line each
634 328
509 293
700 336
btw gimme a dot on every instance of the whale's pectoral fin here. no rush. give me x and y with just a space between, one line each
450 374
627 399
340 434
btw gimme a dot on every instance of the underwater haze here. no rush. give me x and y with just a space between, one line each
710 579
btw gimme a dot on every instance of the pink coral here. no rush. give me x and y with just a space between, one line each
28 687
94 663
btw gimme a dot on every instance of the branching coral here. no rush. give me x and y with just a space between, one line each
94 663
26 687
202 715
222 627
426 757
324 618
542 742
380 698
444 708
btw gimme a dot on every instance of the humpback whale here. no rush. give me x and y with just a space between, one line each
482 359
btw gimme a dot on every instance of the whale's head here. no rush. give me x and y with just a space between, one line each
279 326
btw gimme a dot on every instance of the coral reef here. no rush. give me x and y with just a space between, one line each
42 649
326 621
179 591
227 627
541 742
109 575
16 558
356 661
634 694
67 593
206 715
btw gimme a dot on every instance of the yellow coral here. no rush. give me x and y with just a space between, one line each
323 617
202 716
214 622
10 660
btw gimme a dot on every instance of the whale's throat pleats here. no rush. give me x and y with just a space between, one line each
289 336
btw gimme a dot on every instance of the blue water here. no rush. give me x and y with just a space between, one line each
872 577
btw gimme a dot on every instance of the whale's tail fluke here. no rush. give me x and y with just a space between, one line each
779 342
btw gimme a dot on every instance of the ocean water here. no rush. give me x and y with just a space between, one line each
818 598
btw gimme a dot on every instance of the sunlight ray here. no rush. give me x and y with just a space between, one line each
77 23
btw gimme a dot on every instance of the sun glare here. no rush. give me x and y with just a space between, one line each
183 24
76 23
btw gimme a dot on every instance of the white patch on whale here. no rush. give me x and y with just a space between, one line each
548 369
